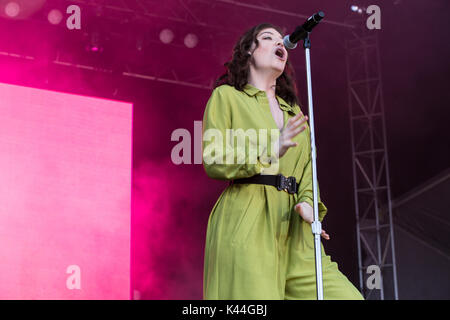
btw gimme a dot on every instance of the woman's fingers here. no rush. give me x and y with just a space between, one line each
295 128
295 132
295 119
291 134
292 129
299 122
325 235
296 123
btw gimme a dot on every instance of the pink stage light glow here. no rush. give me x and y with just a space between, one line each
65 194
12 9
20 9
55 16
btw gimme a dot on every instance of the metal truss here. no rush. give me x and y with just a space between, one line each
127 19
372 193
190 11
155 77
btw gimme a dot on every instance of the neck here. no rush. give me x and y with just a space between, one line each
263 81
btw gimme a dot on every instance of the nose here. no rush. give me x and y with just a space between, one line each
280 43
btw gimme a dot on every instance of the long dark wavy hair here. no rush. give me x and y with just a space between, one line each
238 69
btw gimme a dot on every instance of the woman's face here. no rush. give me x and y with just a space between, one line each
270 54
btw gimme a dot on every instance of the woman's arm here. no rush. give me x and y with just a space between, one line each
304 206
305 192
222 159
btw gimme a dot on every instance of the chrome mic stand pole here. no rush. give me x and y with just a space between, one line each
290 42
316 224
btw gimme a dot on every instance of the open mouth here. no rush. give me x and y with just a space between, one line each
280 53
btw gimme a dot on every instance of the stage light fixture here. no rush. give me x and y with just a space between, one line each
357 9
166 36
55 16
139 44
12 9
191 40
94 44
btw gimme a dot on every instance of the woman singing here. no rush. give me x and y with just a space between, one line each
259 243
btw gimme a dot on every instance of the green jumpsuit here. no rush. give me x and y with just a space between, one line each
257 247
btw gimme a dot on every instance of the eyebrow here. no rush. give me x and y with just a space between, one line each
268 32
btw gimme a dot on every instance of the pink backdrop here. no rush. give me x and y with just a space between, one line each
65 192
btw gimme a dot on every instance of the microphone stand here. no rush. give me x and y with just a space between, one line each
316 225
302 33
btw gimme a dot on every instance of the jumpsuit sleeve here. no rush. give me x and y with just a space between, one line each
305 188
216 147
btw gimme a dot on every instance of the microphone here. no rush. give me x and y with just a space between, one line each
301 32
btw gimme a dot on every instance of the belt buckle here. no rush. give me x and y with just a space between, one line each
286 184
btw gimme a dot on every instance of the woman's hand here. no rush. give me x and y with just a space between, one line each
293 128
307 214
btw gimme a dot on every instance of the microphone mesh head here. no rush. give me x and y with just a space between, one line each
288 44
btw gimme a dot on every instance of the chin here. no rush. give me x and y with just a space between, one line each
279 67
278 71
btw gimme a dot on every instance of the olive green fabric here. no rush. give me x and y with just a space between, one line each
257 246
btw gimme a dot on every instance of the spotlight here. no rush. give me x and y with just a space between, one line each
139 44
191 40
357 9
12 9
166 36
94 43
55 16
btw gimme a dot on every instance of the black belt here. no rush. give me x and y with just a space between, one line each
279 181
